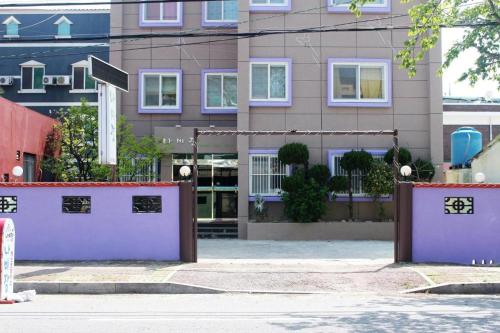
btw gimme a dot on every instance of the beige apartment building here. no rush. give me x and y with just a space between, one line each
346 80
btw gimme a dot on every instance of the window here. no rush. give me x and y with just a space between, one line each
220 91
216 12
161 14
359 82
63 27
32 77
270 5
11 27
29 167
357 178
270 82
374 6
160 91
82 80
266 174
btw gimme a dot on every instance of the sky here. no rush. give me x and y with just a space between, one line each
451 86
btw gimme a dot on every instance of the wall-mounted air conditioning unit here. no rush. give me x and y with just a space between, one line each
6 80
63 80
49 80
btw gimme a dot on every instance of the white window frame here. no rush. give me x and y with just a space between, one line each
332 3
7 22
269 4
251 174
32 90
287 81
161 20
205 93
160 74
376 154
359 65
222 14
81 91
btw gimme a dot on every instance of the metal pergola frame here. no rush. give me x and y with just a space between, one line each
395 165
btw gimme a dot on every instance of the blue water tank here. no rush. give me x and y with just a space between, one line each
466 142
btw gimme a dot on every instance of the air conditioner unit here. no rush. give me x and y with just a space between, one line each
49 80
63 80
6 80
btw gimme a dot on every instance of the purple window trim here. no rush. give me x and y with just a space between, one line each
286 7
368 8
285 103
384 104
219 24
159 110
177 23
203 92
336 152
267 198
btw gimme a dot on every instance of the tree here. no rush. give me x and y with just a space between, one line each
423 171
427 19
74 143
404 157
356 160
379 182
71 152
294 154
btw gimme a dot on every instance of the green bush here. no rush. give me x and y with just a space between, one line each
338 184
291 183
404 156
320 173
307 202
423 171
378 182
294 153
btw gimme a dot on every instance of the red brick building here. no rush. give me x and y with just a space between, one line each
22 140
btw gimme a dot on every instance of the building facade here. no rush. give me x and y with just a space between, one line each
53 75
23 134
345 80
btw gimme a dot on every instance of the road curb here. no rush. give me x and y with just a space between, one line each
465 288
97 288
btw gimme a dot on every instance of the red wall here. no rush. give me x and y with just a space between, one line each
24 130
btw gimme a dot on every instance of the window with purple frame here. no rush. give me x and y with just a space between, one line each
160 91
270 82
374 6
161 14
270 5
219 91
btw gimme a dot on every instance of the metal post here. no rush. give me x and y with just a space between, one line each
195 193
395 170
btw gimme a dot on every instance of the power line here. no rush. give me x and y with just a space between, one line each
126 2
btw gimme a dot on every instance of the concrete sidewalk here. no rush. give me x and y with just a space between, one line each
246 266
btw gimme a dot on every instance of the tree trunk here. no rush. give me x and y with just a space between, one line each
349 184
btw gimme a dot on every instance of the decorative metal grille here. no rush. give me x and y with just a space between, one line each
146 204
76 205
8 204
459 205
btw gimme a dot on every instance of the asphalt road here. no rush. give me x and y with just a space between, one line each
338 312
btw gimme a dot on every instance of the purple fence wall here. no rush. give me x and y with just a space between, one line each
456 223
110 231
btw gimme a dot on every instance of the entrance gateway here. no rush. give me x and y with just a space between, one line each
395 164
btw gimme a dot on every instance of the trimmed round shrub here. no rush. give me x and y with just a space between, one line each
423 170
294 153
356 160
320 173
404 156
338 184
306 203
291 183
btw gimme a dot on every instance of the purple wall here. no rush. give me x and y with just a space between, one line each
109 232
455 238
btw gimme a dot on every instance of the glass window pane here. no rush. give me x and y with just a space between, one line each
341 2
63 29
259 81
151 92
279 2
169 91
170 11
89 82
371 82
214 90
152 11
344 81
78 78
258 2
278 81
231 10
38 78
12 29
214 10
230 91
27 77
